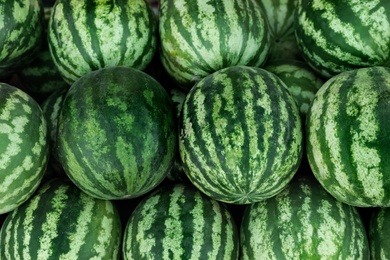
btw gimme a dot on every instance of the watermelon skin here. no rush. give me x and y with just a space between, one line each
303 222
41 77
379 228
61 222
336 36
240 135
21 28
302 82
51 108
280 17
199 37
117 136
180 222
347 135
88 35
24 147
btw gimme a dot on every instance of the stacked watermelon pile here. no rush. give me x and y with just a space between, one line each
194 129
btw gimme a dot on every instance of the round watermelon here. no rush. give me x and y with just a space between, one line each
240 135
280 17
88 35
336 36
21 27
303 222
24 147
180 222
117 136
199 37
301 80
61 222
348 132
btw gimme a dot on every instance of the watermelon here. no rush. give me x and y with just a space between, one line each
240 135
180 222
303 222
199 37
117 136
61 222
302 82
88 35
21 27
280 17
348 132
378 234
41 77
51 108
24 147
337 36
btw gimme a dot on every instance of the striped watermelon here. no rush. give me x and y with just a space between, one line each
179 222
87 35
348 135
302 82
199 37
41 77
240 135
21 30
280 16
336 36
61 222
379 230
51 108
23 147
117 136
303 222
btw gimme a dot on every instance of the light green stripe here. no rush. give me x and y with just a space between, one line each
198 225
286 226
304 216
77 240
216 227
328 233
49 227
332 139
105 235
171 243
263 248
145 222
30 215
366 158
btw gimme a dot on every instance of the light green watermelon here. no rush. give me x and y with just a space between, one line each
180 222
348 132
303 222
240 135
88 35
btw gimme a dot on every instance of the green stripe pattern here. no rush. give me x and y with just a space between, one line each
21 28
61 222
87 35
199 37
51 108
117 136
379 230
179 222
41 77
280 17
240 135
302 222
348 136
336 36
302 82
23 147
